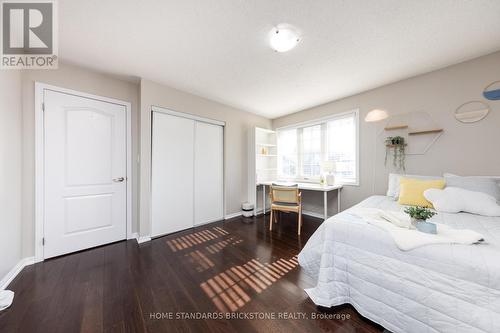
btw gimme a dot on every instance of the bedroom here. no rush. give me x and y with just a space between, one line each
140 241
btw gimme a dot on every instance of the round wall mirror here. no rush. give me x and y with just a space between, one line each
492 92
471 112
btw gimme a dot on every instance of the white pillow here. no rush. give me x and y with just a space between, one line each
497 178
488 185
394 178
455 200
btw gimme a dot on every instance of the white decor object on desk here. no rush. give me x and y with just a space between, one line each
329 167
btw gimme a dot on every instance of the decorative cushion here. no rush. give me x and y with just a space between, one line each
288 204
394 178
455 199
412 191
476 184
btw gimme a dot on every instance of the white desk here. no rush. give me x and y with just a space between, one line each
306 187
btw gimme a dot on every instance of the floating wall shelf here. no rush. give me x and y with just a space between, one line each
392 146
393 128
426 132
418 128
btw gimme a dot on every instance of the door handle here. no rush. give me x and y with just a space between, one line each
118 180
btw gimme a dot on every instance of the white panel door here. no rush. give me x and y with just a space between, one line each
208 173
85 186
172 174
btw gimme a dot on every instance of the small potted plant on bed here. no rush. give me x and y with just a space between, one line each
419 216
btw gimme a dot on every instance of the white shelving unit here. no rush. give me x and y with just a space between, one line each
262 162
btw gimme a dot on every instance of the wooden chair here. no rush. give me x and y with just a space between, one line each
285 199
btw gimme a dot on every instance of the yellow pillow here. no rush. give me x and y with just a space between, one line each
411 191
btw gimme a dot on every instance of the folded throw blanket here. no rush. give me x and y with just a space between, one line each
399 219
408 239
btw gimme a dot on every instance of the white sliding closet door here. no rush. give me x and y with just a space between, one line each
208 173
172 174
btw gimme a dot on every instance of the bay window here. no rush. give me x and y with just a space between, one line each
288 163
305 149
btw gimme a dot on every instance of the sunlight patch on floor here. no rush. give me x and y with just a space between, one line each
187 241
219 246
201 261
229 291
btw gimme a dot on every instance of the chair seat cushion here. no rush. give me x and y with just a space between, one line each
288 204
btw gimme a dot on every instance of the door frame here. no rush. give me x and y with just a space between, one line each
194 117
40 155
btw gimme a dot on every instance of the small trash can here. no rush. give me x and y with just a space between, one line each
247 209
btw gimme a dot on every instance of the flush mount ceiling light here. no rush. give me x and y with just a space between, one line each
283 39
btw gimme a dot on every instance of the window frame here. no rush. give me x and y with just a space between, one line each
323 122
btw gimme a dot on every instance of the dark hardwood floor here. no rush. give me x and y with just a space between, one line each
235 268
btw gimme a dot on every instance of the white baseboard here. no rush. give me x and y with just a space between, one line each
143 239
208 222
259 211
133 236
15 270
233 215
313 214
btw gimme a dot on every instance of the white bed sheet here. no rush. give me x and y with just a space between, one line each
435 288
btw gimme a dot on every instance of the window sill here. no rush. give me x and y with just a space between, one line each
354 184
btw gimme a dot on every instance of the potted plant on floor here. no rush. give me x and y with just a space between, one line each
419 216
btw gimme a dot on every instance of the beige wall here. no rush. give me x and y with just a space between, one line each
238 123
80 79
84 80
463 148
469 149
10 170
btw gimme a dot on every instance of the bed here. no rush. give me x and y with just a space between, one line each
434 288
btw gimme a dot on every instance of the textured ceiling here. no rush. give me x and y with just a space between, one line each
219 49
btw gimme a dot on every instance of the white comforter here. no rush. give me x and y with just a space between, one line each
435 288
